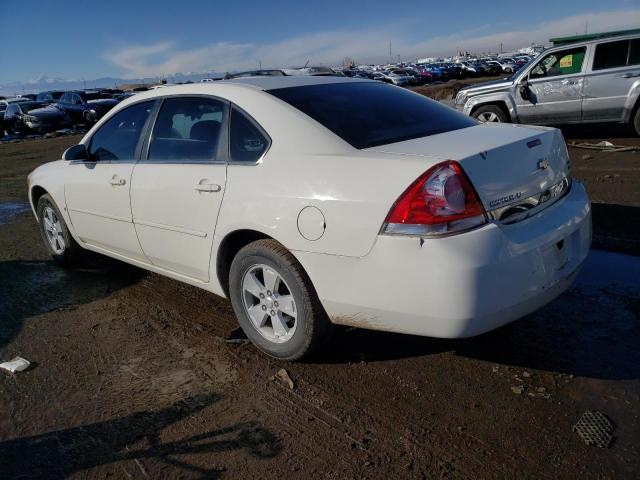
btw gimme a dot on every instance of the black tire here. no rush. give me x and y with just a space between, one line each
89 119
635 121
491 111
72 252
312 326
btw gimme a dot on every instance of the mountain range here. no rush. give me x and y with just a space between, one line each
53 83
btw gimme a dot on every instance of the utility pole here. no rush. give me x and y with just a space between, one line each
260 64
390 56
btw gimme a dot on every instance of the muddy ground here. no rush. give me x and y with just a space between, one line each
133 377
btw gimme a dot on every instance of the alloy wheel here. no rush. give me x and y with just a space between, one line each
53 230
488 117
269 303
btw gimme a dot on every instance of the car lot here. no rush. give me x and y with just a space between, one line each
131 388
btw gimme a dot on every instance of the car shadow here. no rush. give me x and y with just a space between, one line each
616 228
595 336
593 131
29 288
60 454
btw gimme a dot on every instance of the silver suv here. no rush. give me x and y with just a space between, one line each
586 82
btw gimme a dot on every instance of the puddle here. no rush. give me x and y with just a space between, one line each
8 210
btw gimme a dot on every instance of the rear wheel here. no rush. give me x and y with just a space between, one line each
59 242
490 113
275 302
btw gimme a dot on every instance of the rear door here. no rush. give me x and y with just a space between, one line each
555 86
614 72
97 189
177 188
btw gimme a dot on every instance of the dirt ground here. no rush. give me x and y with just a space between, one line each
133 376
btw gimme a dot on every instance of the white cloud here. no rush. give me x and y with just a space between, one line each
330 47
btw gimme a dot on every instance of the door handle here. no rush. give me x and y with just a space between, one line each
207 187
117 181
630 75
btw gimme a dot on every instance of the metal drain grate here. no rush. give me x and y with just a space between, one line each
595 429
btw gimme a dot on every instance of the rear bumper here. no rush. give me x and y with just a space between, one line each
462 285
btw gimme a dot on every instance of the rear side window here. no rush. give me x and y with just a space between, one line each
247 143
611 55
187 129
118 137
368 114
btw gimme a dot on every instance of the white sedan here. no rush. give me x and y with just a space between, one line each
312 201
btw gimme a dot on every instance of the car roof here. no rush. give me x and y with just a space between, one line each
271 83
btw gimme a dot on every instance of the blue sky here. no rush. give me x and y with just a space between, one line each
75 39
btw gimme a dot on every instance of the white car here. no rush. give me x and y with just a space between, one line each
396 77
312 201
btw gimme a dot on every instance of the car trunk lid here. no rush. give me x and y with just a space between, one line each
508 165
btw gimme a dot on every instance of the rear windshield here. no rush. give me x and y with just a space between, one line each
369 114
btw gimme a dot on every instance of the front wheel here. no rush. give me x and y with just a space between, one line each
275 302
59 242
490 113
635 121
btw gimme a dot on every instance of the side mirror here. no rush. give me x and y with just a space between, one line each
524 91
77 152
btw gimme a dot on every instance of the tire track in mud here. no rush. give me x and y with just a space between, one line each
197 312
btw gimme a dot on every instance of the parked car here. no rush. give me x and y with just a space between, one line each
397 77
423 76
52 96
4 103
505 67
254 73
27 96
491 69
34 117
469 68
584 82
86 106
436 72
252 188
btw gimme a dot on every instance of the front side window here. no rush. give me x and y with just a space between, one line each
564 62
368 114
247 143
187 129
118 137
611 55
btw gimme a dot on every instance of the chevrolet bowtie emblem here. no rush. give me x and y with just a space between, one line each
543 164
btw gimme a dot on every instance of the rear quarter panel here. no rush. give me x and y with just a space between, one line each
354 193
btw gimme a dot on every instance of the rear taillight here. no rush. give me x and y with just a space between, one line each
440 202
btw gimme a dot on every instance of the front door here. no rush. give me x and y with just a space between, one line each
555 89
97 190
177 190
